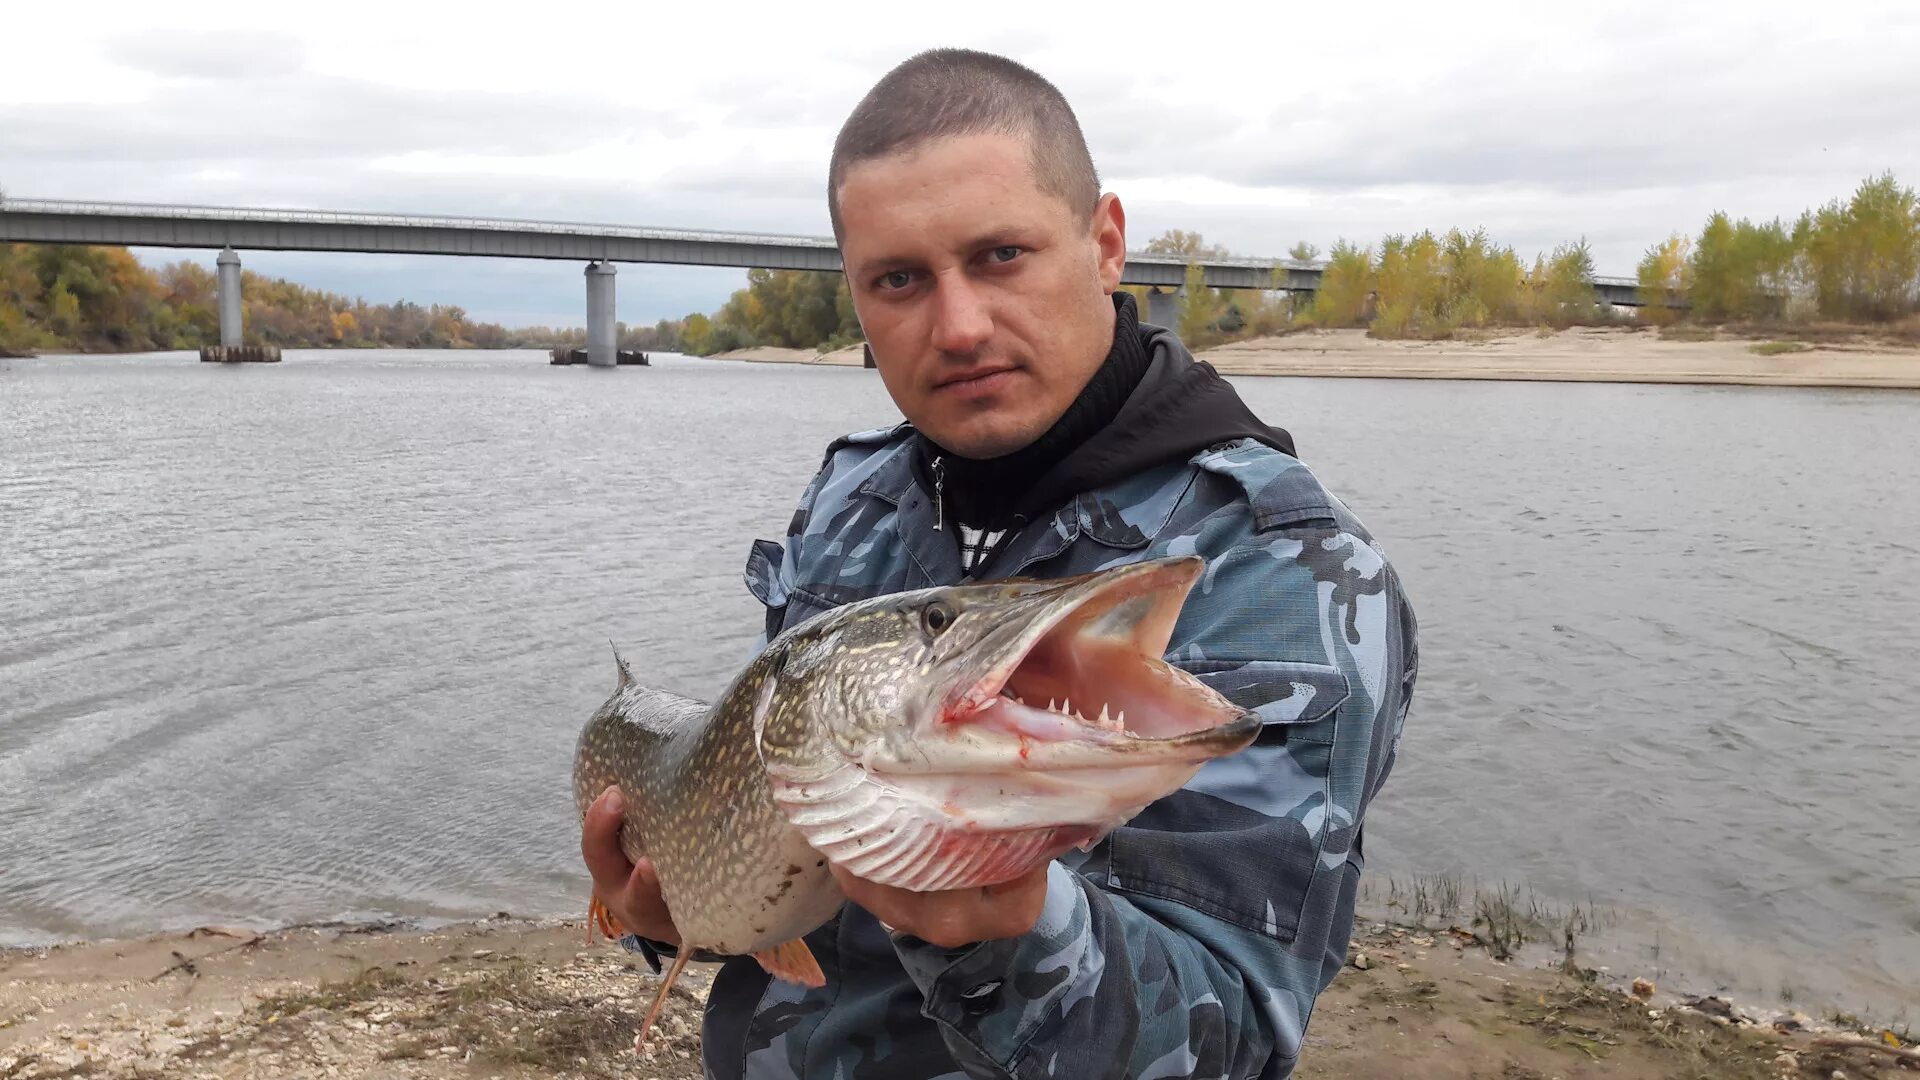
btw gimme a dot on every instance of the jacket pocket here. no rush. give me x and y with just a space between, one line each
765 563
1242 842
1296 699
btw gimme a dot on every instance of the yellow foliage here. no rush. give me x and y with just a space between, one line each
1200 309
1664 276
1346 287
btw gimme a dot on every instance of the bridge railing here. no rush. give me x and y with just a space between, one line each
280 216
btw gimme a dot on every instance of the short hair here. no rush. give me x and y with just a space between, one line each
951 92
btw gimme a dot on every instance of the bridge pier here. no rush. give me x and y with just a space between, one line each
1163 308
231 327
601 345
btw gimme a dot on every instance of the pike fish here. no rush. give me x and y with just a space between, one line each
944 738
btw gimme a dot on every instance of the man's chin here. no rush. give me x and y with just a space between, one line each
985 437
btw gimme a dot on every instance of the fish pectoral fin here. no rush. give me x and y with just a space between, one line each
793 962
598 915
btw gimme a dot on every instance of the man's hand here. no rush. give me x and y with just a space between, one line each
955 917
630 891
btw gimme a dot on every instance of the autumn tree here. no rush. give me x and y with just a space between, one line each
1201 309
1664 275
1863 255
1346 287
1186 245
1562 286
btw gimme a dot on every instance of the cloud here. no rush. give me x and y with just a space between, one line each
220 54
305 116
1542 122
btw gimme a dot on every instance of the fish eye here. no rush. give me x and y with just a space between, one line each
936 617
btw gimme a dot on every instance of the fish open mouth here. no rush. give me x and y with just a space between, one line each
1086 669
1052 720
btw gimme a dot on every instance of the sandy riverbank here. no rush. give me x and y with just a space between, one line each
851 356
514 998
1582 354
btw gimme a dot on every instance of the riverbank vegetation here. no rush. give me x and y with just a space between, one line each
793 309
1852 264
1854 261
66 298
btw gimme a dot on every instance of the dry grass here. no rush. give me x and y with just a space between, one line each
1812 332
368 985
509 1017
515 1014
1504 917
1686 332
1595 1023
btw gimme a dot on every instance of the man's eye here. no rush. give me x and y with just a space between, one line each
898 279
1005 254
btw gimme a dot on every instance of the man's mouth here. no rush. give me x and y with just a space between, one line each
976 378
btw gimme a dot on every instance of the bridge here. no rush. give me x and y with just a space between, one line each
232 229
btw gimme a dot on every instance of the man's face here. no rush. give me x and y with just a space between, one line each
985 298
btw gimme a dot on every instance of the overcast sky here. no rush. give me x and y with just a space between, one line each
1257 124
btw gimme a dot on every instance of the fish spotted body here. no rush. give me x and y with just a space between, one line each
902 737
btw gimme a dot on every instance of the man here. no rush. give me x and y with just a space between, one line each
1049 433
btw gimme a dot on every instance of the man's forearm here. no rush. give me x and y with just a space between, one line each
1101 987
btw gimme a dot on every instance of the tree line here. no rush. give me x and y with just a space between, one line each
1853 260
60 297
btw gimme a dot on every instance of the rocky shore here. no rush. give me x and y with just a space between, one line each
518 998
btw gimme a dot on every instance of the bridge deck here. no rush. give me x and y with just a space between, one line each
60 221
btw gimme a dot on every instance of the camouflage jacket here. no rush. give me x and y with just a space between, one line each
1194 940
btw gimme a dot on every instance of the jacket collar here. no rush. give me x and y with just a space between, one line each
936 552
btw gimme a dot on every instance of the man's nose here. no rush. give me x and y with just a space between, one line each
961 320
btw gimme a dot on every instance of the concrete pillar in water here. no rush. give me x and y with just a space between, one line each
1163 308
600 328
230 324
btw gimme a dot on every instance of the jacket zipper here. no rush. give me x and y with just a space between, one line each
939 494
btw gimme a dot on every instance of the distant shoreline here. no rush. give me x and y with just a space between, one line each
1582 354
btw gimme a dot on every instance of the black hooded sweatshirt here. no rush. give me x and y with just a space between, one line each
1150 402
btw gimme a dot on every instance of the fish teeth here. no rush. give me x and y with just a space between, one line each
1052 705
1066 707
1120 720
1103 716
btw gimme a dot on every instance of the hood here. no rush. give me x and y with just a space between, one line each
1181 407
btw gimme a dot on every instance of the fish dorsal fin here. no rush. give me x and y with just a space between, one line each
625 677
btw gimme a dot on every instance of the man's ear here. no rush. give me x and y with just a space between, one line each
1109 230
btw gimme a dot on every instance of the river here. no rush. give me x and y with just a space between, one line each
312 641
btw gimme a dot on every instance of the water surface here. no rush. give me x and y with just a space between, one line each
312 640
